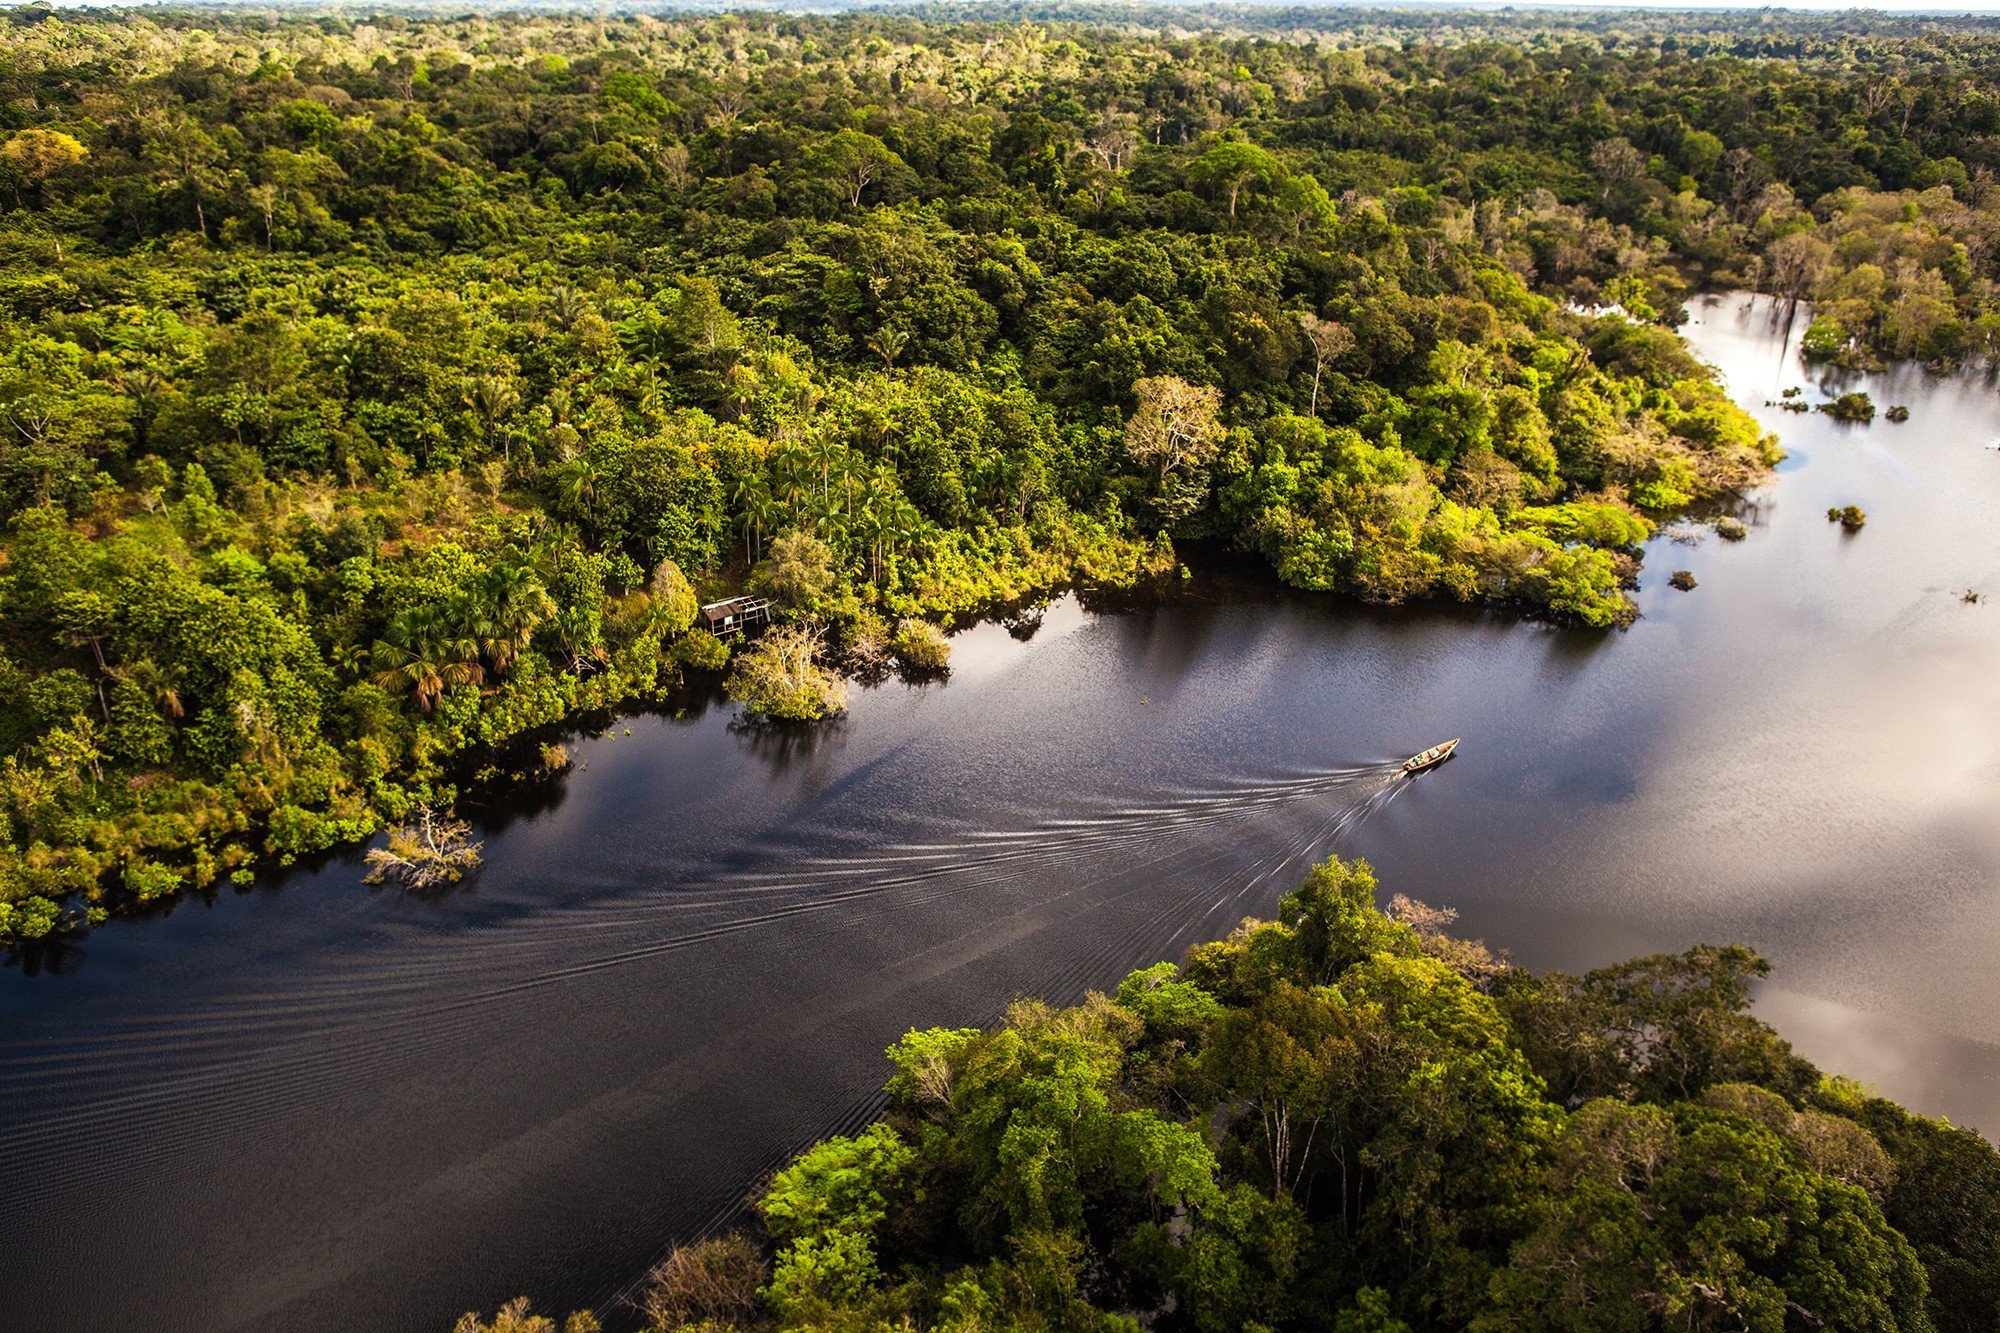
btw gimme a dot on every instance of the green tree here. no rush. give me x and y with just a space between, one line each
1230 168
36 157
799 574
425 655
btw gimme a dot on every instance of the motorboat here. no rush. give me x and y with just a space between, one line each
1430 758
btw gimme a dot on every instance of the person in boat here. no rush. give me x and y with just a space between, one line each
1437 754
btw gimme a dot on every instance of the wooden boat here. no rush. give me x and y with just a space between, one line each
1437 754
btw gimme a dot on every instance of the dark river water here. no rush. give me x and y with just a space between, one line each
316 1106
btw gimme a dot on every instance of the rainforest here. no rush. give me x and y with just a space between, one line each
381 391
1350 1119
384 394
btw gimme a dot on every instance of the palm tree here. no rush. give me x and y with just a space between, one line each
578 630
648 334
577 484
743 494
156 681
788 463
902 521
550 548
888 343
492 397
510 604
566 305
806 398
741 384
850 469
145 387
996 478
425 655
870 526
822 453
825 515
760 509
653 395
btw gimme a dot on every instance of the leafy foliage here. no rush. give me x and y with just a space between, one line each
1347 1120
357 376
781 678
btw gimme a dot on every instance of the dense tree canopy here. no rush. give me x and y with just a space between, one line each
1347 1119
376 389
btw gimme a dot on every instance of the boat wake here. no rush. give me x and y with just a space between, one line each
1136 881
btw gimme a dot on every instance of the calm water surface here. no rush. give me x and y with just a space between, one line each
313 1106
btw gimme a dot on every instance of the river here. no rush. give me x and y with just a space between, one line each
312 1105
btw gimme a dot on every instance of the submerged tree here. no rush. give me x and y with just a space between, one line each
432 851
781 677
518 1316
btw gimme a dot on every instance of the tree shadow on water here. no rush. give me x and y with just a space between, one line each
1569 649
1023 625
431 894
783 745
56 954
499 806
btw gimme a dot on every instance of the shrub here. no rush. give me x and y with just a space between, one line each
29 919
1898 413
1855 406
698 650
1731 529
1578 584
920 645
148 880
1593 521
1824 341
1682 579
865 644
713 1282
1670 483
1850 517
